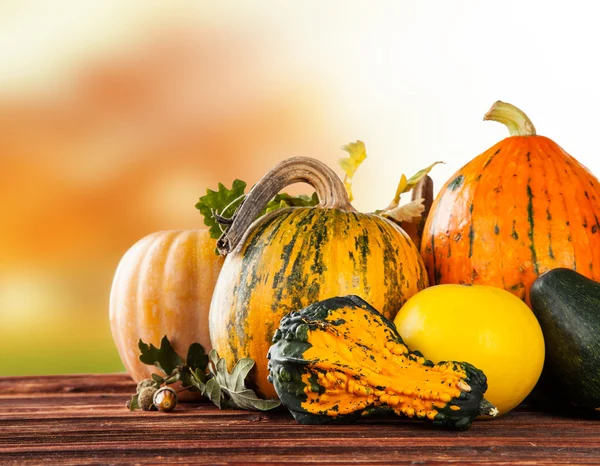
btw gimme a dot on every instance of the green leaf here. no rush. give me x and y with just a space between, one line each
412 210
223 202
247 399
405 185
198 380
158 379
200 375
413 180
196 357
233 392
224 389
213 359
213 392
283 200
186 380
174 377
239 373
164 358
132 404
222 373
357 153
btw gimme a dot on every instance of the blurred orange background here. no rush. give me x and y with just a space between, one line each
116 116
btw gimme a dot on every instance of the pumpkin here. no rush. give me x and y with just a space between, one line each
292 257
340 359
487 326
163 286
520 208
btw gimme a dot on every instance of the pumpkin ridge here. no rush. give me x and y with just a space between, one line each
473 181
581 170
197 280
169 318
539 210
236 328
361 246
471 228
521 223
490 159
296 280
593 206
430 226
286 252
292 281
144 281
498 194
393 287
201 254
120 320
531 221
546 190
579 215
319 236
594 248
557 186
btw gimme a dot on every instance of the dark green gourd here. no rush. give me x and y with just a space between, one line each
340 359
567 305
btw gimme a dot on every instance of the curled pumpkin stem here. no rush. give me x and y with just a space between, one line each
330 190
515 119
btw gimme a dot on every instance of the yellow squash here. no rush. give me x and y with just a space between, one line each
487 326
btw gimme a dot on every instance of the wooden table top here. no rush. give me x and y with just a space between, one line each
82 419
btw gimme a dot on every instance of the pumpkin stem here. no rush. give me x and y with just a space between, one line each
516 121
330 190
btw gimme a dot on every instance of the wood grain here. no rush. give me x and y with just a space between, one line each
82 419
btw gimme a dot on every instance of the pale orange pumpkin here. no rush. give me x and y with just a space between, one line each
163 286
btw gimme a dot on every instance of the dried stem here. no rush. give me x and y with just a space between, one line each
329 188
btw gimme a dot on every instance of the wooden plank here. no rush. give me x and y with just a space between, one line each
82 419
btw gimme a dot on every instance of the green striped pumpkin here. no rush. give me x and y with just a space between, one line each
294 257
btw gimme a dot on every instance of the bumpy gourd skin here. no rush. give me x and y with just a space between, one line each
340 359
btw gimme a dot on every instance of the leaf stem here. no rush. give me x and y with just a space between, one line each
222 213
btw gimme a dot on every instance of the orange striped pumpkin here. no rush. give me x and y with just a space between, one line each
520 208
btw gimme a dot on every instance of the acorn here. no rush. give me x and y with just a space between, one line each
165 399
145 384
146 398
